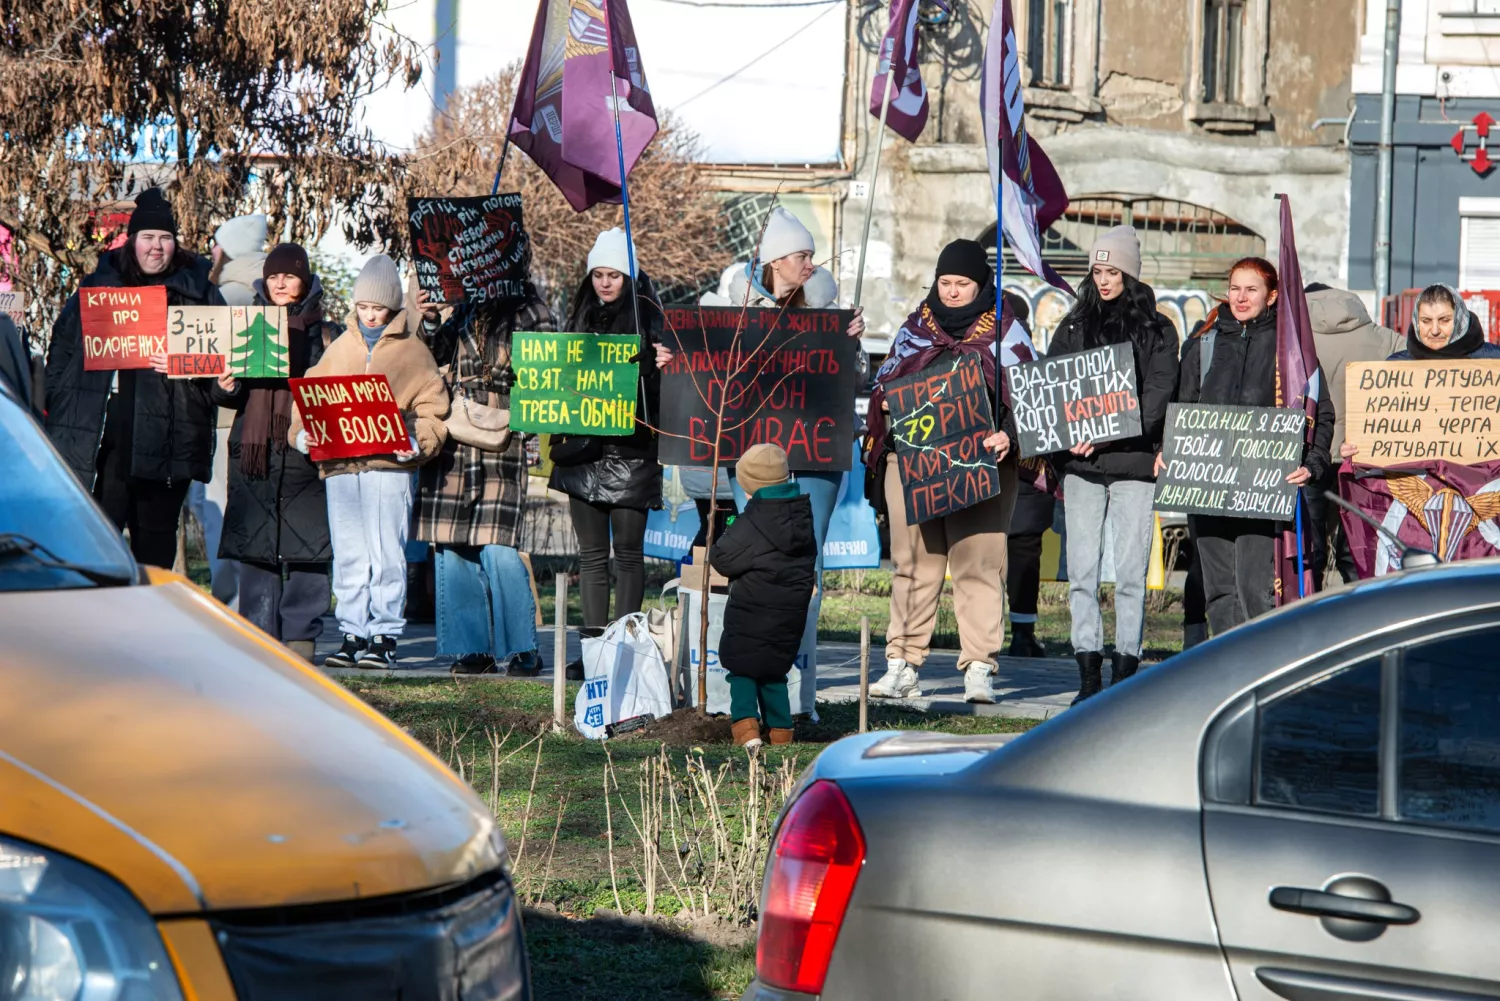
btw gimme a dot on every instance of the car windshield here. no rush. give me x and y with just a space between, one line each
52 536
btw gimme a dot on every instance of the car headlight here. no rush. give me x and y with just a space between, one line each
71 933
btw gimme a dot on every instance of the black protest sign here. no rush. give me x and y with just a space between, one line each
781 376
940 418
1231 461
470 249
1068 400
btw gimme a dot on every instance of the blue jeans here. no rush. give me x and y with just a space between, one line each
821 488
484 602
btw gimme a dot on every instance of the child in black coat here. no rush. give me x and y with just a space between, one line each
770 554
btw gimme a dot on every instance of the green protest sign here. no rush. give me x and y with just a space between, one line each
574 383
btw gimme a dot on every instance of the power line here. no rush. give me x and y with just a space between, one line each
731 76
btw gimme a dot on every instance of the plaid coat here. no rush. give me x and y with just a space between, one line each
466 497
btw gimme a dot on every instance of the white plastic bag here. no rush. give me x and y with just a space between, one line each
718 678
623 676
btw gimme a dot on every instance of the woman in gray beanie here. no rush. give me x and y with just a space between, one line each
1112 484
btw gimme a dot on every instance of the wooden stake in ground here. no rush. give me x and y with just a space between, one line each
864 673
560 655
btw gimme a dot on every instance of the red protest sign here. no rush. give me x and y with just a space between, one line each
122 327
347 416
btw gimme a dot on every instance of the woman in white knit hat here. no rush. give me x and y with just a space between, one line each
1112 483
611 482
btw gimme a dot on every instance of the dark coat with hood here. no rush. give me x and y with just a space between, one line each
1471 345
622 471
281 517
1242 372
167 424
770 554
1154 345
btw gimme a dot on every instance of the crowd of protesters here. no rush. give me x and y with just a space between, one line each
290 538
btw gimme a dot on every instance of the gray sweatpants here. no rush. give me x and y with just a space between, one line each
1127 506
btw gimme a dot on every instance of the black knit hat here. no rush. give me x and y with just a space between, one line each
152 211
287 259
967 259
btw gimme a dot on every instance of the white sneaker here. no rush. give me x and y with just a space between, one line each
977 684
900 682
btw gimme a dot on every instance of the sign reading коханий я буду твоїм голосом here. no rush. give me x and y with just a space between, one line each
1230 461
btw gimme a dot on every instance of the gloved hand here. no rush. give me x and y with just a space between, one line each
302 441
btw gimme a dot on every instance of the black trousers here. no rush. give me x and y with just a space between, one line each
1238 557
150 510
722 510
287 600
1023 575
593 524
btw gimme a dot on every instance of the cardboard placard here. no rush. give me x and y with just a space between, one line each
574 383
122 327
1068 400
1230 461
347 416
786 378
13 303
249 342
468 248
1423 411
940 417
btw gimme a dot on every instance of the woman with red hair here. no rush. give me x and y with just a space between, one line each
1233 363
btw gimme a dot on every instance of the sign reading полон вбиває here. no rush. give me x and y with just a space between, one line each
1230 461
940 417
468 249
786 378
574 383
1089 396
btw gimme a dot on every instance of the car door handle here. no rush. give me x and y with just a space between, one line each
1296 985
1336 905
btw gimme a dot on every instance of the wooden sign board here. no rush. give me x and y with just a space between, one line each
782 376
940 417
249 342
347 416
1423 411
1068 400
470 249
574 383
1230 461
122 327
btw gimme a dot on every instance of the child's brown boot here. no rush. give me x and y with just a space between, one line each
781 735
746 732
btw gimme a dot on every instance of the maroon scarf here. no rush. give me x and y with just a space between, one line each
268 409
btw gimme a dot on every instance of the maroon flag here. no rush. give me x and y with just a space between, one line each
1442 507
564 112
898 63
1297 380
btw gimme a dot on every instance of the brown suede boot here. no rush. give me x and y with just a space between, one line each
781 735
746 732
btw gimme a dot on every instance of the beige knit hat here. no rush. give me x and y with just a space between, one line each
762 465
1118 248
379 282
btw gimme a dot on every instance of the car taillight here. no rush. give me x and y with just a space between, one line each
817 857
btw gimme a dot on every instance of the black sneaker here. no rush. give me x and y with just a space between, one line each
380 655
574 671
474 663
348 654
525 665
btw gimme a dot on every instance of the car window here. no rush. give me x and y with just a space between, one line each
46 517
1319 745
1450 732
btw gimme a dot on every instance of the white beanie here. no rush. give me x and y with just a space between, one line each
379 282
1118 248
611 251
784 235
242 236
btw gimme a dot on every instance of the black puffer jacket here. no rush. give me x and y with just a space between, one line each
769 554
281 517
1155 351
626 473
1242 372
170 423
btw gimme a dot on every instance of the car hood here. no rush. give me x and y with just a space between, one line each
154 734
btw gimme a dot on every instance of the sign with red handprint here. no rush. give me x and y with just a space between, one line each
468 249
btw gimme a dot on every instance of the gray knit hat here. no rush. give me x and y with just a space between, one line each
380 283
1118 248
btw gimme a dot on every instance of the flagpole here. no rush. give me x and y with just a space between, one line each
635 308
1301 582
504 152
864 243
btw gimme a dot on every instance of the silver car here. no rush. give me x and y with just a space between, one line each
1306 808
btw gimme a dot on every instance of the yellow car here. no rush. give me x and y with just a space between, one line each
188 812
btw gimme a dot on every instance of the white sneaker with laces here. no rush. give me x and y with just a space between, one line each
900 682
977 684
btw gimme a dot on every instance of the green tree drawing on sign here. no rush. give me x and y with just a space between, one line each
259 352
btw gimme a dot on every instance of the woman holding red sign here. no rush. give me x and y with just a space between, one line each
133 436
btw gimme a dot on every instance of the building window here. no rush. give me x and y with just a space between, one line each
1046 42
1478 244
1223 48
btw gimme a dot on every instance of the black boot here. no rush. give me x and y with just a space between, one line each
574 670
1123 666
1090 675
1023 641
